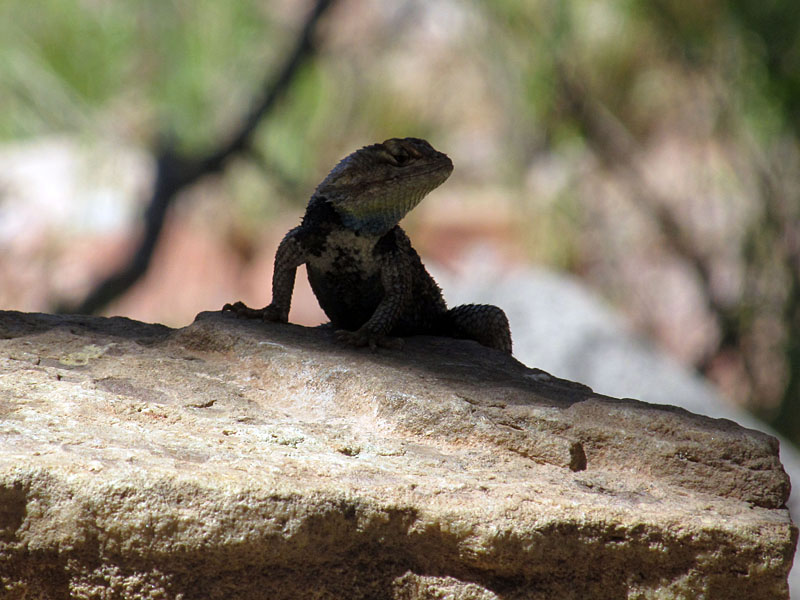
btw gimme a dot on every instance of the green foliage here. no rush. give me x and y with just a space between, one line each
772 31
65 61
189 66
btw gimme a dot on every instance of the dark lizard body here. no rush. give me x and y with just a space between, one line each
366 276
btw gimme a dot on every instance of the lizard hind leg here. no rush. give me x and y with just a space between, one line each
484 323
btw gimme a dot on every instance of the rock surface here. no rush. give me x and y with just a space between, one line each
235 459
565 328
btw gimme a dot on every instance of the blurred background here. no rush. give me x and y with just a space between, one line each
632 168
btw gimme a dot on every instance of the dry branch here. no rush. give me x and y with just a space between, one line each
175 172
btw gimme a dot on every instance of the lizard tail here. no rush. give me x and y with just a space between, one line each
484 323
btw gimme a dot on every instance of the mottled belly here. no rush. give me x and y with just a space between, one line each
349 298
346 280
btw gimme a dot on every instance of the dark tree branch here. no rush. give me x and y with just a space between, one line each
175 172
780 217
613 144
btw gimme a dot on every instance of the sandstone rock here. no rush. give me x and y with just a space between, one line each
235 459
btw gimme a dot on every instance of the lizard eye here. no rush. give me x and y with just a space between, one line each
401 157
397 153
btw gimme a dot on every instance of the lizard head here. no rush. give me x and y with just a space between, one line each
374 187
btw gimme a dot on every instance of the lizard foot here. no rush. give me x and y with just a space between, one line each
268 313
362 338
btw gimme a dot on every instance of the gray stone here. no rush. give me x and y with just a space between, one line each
251 460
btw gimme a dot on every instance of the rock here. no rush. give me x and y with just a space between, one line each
562 326
243 459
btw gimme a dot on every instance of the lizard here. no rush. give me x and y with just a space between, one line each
367 277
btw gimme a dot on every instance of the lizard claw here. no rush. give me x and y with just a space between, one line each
362 338
355 338
235 307
239 308
268 313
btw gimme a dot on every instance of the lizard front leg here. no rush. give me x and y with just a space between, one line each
290 255
396 282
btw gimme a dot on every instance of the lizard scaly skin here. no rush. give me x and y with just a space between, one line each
366 276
